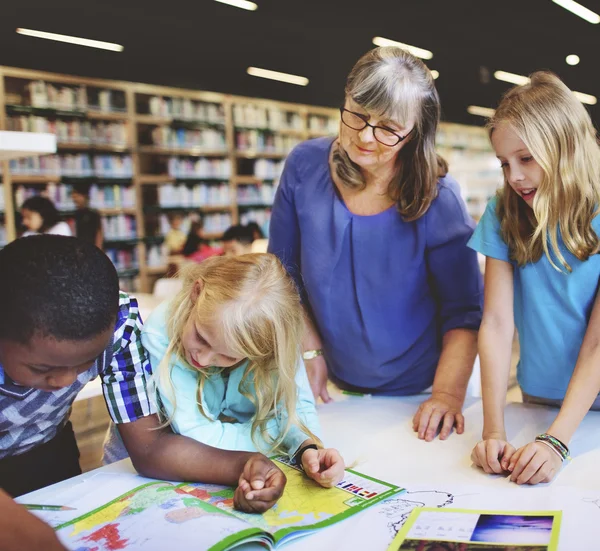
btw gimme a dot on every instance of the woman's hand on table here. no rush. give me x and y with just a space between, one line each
324 466
441 412
316 369
493 454
534 463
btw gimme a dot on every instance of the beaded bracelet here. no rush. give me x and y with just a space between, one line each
556 444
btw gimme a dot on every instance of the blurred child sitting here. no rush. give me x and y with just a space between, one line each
196 248
175 238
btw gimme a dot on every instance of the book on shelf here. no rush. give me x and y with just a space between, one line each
186 109
155 514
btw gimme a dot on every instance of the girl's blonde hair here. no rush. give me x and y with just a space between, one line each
394 84
255 303
560 136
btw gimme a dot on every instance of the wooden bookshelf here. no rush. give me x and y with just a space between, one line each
236 143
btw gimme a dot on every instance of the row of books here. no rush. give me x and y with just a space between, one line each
199 168
121 226
205 138
193 195
186 109
72 131
268 169
80 165
256 195
123 259
112 197
260 216
74 98
264 142
213 223
323 124
256 116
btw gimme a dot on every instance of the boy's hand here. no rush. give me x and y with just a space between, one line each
22 531
260 485
493 455
534 463
324 466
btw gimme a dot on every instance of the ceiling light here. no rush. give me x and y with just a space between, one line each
579 10
418 52
275 75
435 74
572 59
520 79
511 77
244 4
73 40
486 112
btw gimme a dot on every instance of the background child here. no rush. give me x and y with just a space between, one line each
88 223
175 238
40 216
196 248
237 240
230 372
540 236
63 324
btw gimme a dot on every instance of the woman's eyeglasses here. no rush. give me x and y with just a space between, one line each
383 135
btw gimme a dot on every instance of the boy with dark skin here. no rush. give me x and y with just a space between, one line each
63 323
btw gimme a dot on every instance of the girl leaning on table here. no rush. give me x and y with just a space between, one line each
540 237
230 373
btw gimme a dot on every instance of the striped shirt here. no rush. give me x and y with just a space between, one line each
30 417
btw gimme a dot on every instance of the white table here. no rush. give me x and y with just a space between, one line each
377 433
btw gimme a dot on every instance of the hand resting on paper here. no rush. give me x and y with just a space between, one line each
260 485
324 466
534 463
441 412
493 454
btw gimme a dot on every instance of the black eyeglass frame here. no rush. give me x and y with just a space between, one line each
374 127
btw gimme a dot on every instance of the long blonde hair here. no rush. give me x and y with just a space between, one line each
258 308
560 136
392 83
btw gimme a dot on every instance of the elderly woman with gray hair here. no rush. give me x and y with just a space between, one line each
376 241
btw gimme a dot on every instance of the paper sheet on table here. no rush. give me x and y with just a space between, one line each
375 528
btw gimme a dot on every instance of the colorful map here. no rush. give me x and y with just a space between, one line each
161 515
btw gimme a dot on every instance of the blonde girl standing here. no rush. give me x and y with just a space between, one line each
540 237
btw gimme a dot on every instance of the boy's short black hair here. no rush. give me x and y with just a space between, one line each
242 234
56 286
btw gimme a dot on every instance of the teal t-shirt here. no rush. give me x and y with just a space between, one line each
551 309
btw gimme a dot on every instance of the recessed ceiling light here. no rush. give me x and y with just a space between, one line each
486 112
579 10
72 40
435 74
275 75
244 4
414 50
572 59
520 79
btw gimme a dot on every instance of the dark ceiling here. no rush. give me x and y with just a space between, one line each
206 45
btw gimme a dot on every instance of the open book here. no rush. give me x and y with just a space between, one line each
161 515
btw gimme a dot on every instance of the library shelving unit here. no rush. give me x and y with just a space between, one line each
147 152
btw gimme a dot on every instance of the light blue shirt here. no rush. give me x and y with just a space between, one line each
551 309
221 396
